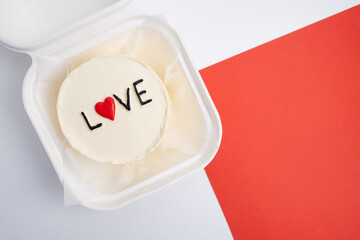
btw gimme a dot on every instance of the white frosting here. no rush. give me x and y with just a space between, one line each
133 134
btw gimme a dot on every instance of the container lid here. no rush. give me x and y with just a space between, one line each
26 25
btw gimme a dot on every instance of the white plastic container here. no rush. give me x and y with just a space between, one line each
42 30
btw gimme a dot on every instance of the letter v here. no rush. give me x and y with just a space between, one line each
127 105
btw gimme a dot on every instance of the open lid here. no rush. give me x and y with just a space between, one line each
26 25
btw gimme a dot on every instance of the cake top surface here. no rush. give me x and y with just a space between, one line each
113 109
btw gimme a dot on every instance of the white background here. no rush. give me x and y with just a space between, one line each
31 196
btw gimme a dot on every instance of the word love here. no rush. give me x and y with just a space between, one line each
106 109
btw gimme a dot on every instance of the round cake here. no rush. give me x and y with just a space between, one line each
113 109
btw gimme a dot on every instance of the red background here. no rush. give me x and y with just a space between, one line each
289 162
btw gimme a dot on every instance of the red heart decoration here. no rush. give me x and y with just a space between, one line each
106 108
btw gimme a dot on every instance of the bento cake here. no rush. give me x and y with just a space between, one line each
113 109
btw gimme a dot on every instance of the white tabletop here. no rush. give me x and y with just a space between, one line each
31 198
